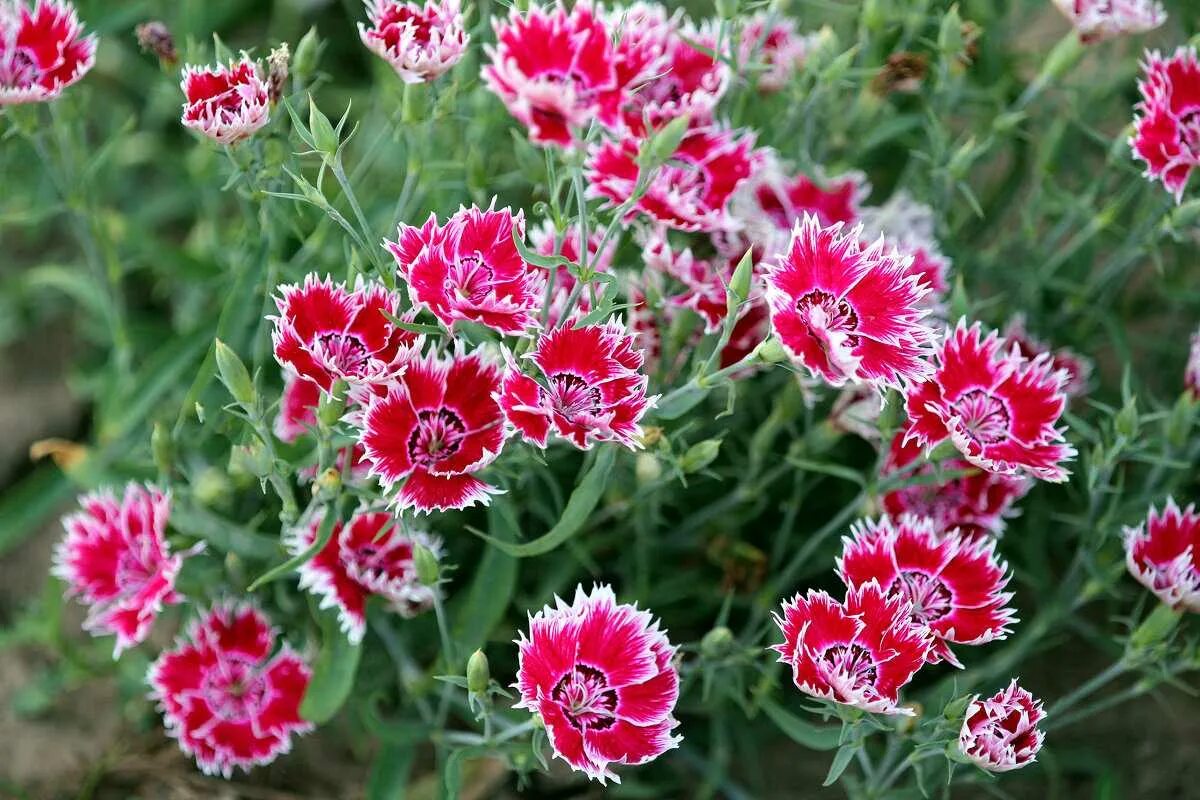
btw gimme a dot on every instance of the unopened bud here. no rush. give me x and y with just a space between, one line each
162 448
771 352
1155 629
1179 421
426 565
739 284
1126 421
646 468
250 459
333 404
308 53
700 455
659 148
155 37
234 375
277 72
325 138
956 708
717 643
211 488
651 435
478 674
328 484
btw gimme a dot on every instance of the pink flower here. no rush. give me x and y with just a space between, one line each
1166 132
1163 553
326 332
420 43
1191 373
116 560
976 503
552 69
703 280
42 51
1077 367
224 696
225 103
1097 20
593 389
858 653
786 201
1000 733
297 407
438 425
954 583
599 674
470 269
772 42
998 408
370 555
848 313
691 191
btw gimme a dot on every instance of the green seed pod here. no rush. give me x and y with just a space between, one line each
478 674
234 375
717 643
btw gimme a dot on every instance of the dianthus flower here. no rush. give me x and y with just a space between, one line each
1077 367
419 42
1097 20
1000 733
1166 135
1163 553
226 103
42 50
774 43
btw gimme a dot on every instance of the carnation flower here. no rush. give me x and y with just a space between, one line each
858 653
690 192
326 332
470 269
642 35
1163 553
593 389
703 280
1077 367
690 81
225 103
437 426
998 408
552 68
978 502
42 50
599 674
1000 733
1166 136
369 555
953 583
116 560
1191 372
420 43
772 41
848 312
1097 20
786 200
224 696
297 407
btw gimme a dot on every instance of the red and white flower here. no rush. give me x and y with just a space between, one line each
848 312
690 81
999 408
859 653
225 103
785 200
1166 132
954 583
703 280
591 387
1191 372
225 697
1163 553
691 191
1001 733
421 43
116 560
369 555
325 332
600 675
297 407
470 269
1078 368
553 68
438 425
773 42
42 50
976 503
1097 20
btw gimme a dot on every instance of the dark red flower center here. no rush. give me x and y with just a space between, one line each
18 67
438 436
822 311
984 416
852 663
1189 131
470 279
235 689
572 396
377 557
931 599
133 572
394 22
585 699
344 352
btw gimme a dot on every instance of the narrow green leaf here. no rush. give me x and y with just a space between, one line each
815 737
484 604
333 512
680 401
841 760
222 534
25 506
389 772
452 771
333 672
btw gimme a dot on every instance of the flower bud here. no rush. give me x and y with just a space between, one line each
234 375
717 643
646 468
739 284
1126 421
651 435
277 72
955 709
154 37
1179 421
426 564
662 144
333 404
162 448
250 459
700 455
325 138
308 53
328 484
1154 629
771 352
211 488
726 9
478 674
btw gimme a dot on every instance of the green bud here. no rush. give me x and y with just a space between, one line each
308 53
771 352
739 284
646 468
956 708
717 643
478 674
700 455
1007 122
427 566
873 17
324 136
162 448
950 35
1126 421
234 375
211 487
250 459
327 485
659 148
1154 629
1179 421
333 404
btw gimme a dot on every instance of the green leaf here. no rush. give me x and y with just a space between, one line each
333 672
815 737
25 506
580 505
389 772
333 512
492 588
841 760
680 401
452 772
536 258
222 534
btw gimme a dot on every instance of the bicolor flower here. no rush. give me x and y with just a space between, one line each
1078 368
470 269
978 502
325 332
43 50
420 42
848 312
954 583
1163 553
858 653
369 555
297 407
702 280
691 191
230 698
590 387
772 42
1097 20
552 68
600 675
226 103
438 425
999 408
786 200
116 560
1001 733
1166 132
